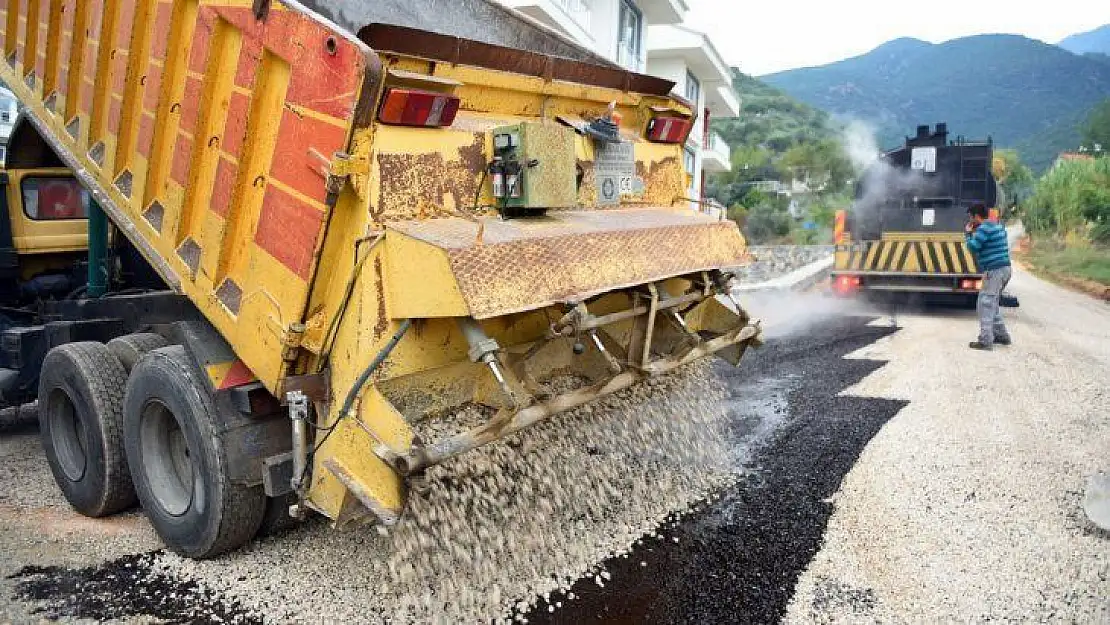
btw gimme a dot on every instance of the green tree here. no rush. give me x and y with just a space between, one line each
1096 130
1014 178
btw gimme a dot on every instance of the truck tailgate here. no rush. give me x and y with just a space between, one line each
205 130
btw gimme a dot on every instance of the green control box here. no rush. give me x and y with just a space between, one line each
534 166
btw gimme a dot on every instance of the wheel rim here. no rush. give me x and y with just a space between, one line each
68 435
167 460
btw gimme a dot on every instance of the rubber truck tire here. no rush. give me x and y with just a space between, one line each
129 348
81 391
170 433
276 520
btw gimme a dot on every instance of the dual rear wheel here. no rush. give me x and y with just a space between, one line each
146 431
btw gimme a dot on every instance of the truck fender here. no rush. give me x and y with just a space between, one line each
251 421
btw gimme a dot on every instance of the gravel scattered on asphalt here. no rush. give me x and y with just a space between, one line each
121 588
969 505
736 558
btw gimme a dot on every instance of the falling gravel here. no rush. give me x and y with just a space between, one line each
503 528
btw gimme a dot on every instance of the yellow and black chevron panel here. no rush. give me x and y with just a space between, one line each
906 256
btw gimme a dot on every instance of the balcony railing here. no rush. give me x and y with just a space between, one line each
716 144
578 11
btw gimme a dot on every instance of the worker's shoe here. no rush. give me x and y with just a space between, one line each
978 345
1003 340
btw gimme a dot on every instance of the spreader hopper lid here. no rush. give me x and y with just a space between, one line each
441 268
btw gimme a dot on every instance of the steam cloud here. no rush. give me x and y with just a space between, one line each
881 181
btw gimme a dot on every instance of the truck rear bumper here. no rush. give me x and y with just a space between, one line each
847 283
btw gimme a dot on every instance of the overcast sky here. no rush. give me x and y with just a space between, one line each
764 36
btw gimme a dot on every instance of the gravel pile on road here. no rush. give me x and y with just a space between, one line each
501 527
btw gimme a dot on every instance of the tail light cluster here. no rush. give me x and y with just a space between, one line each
846 284
413 107
669 129
971 285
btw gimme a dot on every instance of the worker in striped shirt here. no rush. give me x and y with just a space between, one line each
987 241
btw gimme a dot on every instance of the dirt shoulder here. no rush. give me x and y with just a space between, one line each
1058 266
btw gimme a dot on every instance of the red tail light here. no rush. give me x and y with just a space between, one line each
669 129
409 107
969 285
846 284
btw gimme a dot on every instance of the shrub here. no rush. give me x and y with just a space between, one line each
1072 197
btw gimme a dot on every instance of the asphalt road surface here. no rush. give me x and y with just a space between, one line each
866 467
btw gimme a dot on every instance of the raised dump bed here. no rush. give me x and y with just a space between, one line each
371 223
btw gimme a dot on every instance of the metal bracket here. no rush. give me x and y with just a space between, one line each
314 386
343 168
291 341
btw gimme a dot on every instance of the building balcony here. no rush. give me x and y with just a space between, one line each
693 48
721 100
570 17
716 155
663 11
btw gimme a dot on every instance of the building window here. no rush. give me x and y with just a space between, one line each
6 116
693 88
48 199
691 160
629 35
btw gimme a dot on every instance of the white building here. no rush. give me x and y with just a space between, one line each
9 108
647 36
689 59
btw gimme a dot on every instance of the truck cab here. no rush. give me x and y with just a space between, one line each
43 234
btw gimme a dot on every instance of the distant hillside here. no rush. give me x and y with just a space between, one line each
770 118
1097 40
1024 93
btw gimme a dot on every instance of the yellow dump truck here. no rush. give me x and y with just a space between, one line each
321 228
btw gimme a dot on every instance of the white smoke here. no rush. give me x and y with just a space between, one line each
881 180
859 144
788 313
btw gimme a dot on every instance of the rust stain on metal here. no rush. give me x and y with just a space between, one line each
579 254
382 323
439 47
661 180
587 189
412 183
473 156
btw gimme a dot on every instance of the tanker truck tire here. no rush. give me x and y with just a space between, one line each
80 399
131 347
179 463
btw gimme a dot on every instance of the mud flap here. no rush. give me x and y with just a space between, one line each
352 475
717 316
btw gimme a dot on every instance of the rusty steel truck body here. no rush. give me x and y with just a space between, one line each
335 226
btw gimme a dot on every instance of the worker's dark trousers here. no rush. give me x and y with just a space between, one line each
991 326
